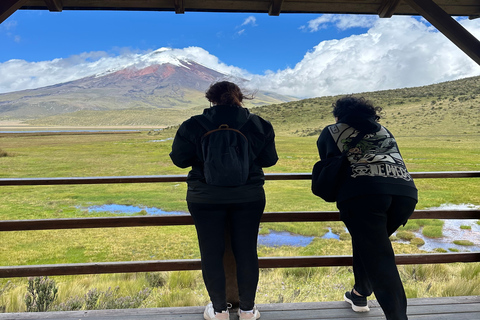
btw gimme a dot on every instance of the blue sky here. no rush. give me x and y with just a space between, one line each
297 54
255 42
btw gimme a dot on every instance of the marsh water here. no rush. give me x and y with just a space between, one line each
452 229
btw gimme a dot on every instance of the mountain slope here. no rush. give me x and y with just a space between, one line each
162 86
448 108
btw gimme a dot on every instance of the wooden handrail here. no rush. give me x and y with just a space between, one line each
183 178
194 264
177 220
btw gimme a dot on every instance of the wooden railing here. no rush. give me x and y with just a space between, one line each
194 264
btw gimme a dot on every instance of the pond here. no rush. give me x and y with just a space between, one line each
451 230
124 209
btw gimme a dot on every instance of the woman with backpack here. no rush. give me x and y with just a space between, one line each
377 195
227 147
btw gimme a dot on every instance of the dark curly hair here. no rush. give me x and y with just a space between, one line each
225 93
355 106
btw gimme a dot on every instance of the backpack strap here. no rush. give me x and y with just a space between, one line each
204 122
209 126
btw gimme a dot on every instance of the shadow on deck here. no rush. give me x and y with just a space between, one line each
458 308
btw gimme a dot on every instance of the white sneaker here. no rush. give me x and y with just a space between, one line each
210 314
247 315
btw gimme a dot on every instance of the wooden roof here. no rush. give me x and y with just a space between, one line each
438 12
273 7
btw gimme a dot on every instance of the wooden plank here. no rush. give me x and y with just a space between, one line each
179 6
54 5
180 220
452 7
448 26
451 308
275 7
387 8
183 178
194 264
8 7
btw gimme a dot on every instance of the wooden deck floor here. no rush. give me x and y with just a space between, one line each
457 308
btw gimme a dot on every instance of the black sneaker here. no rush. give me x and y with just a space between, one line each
359 303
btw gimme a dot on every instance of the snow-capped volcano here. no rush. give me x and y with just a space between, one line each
165 78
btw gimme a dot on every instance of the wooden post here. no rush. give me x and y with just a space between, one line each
230 271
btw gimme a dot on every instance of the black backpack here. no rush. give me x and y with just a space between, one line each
225 154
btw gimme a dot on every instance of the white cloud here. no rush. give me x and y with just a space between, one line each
18 75
394 53
250 20
8 28
8 25
340 21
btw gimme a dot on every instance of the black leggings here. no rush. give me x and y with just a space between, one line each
210 222
371 219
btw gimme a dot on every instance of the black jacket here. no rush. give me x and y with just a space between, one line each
186 152
376 166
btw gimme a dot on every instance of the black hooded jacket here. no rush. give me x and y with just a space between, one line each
376 166
186 152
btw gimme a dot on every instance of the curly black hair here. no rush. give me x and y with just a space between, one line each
350 105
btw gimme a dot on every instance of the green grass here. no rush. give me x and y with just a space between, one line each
432 231
463 242
137 155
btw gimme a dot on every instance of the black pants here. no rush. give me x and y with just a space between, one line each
210 222
371 220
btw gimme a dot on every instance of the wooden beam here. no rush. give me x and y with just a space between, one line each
387 8
195 264
183 178
8 7
54 5
180 220
275 7
448 26
179 6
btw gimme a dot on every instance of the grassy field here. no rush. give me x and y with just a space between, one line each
146 153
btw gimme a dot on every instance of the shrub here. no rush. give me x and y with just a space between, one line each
181 279
41 293
462 288
111 299
91 299
72 304
345 236
432 231
465 227
2 291
3 153
463 242
417 242
405 235
410 226
155 279
470 271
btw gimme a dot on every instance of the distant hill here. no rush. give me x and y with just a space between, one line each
448 108
165 94
157 94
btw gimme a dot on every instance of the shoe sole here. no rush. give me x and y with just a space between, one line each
356 308
207 317
257 315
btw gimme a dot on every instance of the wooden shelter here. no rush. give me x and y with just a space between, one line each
439 12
